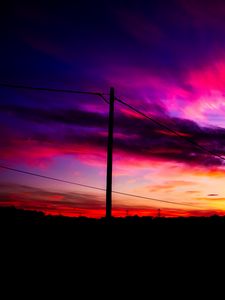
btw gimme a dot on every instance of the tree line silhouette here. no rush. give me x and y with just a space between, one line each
14 216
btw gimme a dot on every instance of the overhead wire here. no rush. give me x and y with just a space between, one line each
54 90
93 187
16 86
169 129
9 85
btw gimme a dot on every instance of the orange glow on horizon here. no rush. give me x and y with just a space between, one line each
116 212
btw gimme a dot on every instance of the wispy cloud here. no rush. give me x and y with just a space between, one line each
85 131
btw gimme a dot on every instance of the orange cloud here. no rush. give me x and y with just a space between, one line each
192 192
211 172
211 199
75 204
169 185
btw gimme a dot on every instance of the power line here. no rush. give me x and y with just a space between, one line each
51 178
154 199
92 187
16 86
9 85
127 105
169 129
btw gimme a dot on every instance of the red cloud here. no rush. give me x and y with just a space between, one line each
131 113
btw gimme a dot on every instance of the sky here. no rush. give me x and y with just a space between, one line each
166 58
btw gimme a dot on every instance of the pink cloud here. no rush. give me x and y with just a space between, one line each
198 93
41 155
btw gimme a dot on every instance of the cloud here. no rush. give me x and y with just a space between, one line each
170 185
72 203
65 116
67 203
81 135
211 199
192 192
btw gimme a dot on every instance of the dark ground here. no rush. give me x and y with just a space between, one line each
18 221
37 245
11 216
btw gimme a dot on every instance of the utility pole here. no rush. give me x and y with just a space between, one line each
110 155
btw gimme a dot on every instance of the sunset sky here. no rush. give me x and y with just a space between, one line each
166 58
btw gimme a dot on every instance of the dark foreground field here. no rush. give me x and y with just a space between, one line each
23 221
28 236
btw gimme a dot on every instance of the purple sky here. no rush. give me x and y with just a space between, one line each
164 57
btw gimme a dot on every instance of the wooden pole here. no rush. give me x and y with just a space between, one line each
110 155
